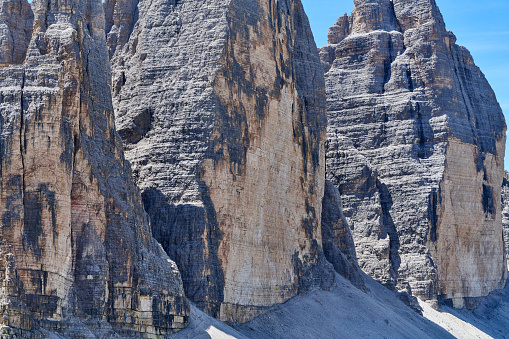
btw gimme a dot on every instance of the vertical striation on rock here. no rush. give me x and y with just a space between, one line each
222 108
16 18
75 243
415 146
505 213
337 241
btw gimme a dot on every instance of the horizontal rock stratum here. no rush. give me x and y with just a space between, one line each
221 105
416 144
76 249
223 109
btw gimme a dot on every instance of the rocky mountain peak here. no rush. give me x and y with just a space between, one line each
426 137
376 15
221 105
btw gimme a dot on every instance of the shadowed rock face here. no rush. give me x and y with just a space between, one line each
16 20
222 107
415 146
338 244
77 255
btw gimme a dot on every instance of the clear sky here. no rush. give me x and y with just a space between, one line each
481 26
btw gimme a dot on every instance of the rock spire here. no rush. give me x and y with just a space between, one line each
77 255
222 108
416 144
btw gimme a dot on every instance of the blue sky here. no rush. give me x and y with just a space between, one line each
481 26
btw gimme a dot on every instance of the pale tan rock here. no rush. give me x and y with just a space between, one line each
79 245
222 107
469 217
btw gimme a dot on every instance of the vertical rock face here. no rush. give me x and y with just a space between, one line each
16 18
505 213
337 241
222 107
415 146
75 242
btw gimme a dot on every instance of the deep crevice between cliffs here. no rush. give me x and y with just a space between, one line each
21 139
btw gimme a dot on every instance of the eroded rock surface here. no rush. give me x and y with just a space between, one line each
337 241
222 108
505 213
16 19
76 252
415 146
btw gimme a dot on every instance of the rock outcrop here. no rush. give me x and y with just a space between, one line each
416 144
337 241
222 108
76 252
16 19
505 213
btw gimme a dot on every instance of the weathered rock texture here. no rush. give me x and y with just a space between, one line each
415 146
505 213
337 241
75 243
222 107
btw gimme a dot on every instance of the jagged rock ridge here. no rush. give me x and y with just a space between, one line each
76 251
416 144
222 108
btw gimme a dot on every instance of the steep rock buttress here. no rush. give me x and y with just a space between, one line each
505 213
222 108
415 145
75 243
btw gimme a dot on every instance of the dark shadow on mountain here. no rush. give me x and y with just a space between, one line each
180 229
337 242
389 226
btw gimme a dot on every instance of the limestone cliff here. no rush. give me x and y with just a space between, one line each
337 241
76 252
505 213
416 147
222 107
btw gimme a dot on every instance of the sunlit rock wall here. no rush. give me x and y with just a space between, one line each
76 251
222 108
416 144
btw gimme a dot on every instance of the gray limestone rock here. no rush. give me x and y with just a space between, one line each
77 255
505 213
221 105
338 245
415 146
16 18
